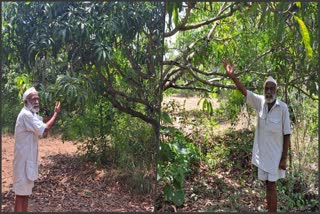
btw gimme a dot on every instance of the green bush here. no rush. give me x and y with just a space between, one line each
133 142
176 159
96 149
231 150
10 113
231 104
294 193
129 146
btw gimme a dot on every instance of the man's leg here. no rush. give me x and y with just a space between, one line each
21 203
271 196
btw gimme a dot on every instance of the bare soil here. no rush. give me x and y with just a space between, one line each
66 183
189 102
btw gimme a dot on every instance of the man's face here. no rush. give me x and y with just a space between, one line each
270 90
33 102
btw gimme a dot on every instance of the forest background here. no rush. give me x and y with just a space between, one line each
116 65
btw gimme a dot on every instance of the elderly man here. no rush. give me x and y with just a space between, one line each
29 127
272 136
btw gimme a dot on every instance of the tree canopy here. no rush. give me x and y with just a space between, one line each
115 49
78 49
260 38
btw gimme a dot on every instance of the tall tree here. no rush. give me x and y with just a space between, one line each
118 43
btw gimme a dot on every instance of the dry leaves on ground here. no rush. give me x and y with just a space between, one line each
66 183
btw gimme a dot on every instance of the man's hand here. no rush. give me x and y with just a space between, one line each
50 123
283 163
229 67
57 107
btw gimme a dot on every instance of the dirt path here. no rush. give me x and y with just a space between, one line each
68 184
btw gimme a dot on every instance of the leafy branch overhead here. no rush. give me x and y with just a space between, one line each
260 38
114 46
132 52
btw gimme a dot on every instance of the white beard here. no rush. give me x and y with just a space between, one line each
270 100
32 108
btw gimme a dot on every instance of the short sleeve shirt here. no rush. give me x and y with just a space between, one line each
29 127
271 127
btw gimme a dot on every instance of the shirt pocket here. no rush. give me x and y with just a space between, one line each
274 125
32 170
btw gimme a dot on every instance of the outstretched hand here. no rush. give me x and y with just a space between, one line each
229 67
57 107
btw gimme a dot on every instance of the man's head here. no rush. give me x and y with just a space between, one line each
270 89
31 99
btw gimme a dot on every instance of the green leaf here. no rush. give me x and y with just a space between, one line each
159 172
175 14
168 191
165 117
178 197
305 36
169 10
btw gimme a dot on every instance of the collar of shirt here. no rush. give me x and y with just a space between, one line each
264 112
277 103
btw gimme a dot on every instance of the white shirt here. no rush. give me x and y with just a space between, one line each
271 127
29 127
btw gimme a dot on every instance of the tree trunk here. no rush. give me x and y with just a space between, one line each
287 102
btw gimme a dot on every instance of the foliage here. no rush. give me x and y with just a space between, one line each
10 111
96 149
70 49
232 104
293 193
231 151
129 148
96 120
211 32
305 36
137 139
176 157
98 59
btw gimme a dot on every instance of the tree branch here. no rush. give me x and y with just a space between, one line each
188 67
115 93
173 81
182 23
306 93
112 94
190 88
134 65
301 79
209 21
114 64
217 23
167 77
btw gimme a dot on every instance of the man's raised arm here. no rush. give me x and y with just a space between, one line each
229 68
